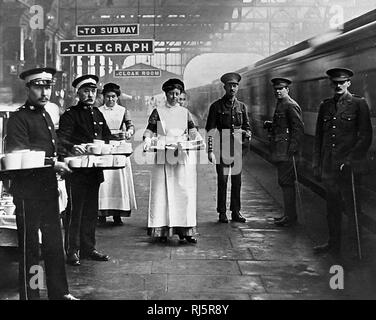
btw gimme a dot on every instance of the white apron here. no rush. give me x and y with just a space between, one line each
173 188
117 190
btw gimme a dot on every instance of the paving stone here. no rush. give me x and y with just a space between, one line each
199 296
218 284
211 254
313 285
196 267
281 267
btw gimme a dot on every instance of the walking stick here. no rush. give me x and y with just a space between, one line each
24 269
356 215
297 188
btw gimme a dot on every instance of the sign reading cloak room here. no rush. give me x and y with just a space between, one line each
107 30
105 47
137 73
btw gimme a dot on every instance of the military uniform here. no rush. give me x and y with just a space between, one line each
343 136
226 125
36 199
81 124
286 133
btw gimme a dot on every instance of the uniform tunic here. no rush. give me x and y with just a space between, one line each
173 191
82 124
36 199
286 136
225 122
343 134
117 190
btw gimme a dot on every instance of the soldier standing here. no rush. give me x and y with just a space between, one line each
36 194
343 137
79 125
287 131
227 124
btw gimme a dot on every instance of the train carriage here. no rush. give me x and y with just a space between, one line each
305 64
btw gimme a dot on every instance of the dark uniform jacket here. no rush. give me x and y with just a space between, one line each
287 130
226 115
82 124
32 128
343 133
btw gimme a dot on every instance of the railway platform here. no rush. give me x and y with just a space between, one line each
236 261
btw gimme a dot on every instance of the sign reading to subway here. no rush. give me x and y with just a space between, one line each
105 47
137 73
107 30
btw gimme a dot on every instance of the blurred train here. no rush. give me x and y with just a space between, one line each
305 64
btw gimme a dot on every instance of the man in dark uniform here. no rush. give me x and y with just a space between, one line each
286 133
343 137
82 124
227 125
36 193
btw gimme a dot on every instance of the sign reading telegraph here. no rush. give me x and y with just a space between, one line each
105 47
137 73
107 30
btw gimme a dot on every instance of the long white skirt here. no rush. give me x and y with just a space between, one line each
117 190
173 197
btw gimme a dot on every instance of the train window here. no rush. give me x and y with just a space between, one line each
364 85
311 93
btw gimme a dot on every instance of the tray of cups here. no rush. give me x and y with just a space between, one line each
184 145
114 148
104 162
21 162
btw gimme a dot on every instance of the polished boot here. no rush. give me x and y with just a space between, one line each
223 218
191 239
95 255
237 217
101 220
117 221
162 239
73 260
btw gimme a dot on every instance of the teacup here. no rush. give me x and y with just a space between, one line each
119 161
75 163
98 142
67 159
114 143
33 159
12 161
106 149
94 149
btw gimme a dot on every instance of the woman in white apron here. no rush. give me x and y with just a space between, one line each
173 189
116 193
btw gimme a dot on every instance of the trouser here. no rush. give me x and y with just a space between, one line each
286 180
82 213
339 198
222 177
32 215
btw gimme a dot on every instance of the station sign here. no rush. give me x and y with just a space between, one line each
107 30
105 47
137 73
